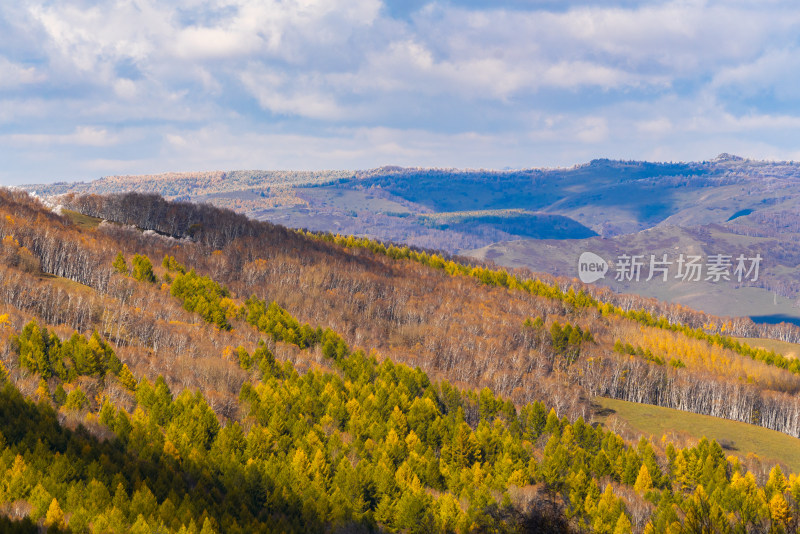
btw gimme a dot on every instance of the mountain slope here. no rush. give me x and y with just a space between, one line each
725 206
266 416
772 295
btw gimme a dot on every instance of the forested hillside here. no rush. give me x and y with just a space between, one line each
542 219
171 367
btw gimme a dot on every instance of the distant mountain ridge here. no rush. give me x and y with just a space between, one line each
728 201
633 195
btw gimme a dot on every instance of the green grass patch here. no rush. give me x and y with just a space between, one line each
518 222
84 222
739 438
65 283
461 216
790 350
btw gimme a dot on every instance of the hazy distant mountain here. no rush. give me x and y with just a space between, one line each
728 205
772 297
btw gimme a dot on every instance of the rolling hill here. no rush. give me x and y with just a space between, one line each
175 367
771 298
542 219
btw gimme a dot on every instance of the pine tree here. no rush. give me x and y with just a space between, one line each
208 527
487 404
120 500
552 424
126 378
17 480
776 483
140 526
122 425
107 413
143 269
59 396
413 513
643 482
120 265
54 516
166 511
606 514
623 525
41 500
43 391
601 466
143 502
92 363
76 400
115 520
97 496
779 511
631 467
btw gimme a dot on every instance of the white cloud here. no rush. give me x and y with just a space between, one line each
491 52
212 43
125 89
15 75
776 72
447 84
593 130
92 40
289 29
659 126
82 136
301 96
752 122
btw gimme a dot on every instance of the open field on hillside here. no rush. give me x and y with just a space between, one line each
790 350
82 221
738 438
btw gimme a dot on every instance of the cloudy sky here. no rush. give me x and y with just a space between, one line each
92 88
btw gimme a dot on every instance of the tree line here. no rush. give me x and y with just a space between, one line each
309 310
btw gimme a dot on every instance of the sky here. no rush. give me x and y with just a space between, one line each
95 88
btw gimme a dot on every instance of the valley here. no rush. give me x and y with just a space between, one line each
540 219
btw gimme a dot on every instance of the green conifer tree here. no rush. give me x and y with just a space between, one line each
54 516
143 269
126 378
76 400
120 265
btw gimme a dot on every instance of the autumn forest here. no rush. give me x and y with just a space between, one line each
174 367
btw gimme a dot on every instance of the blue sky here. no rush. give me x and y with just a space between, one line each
93 88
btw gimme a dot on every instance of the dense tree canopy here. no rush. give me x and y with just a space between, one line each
233 396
